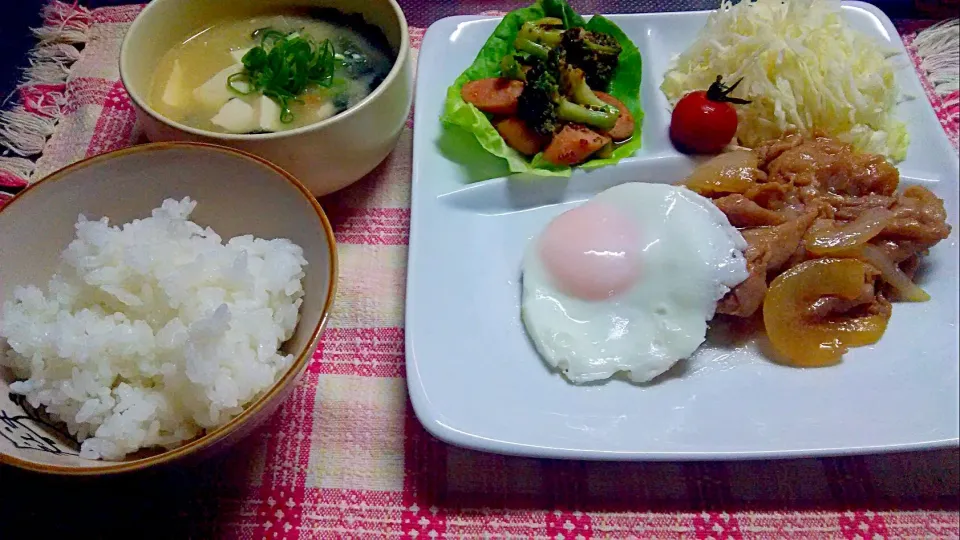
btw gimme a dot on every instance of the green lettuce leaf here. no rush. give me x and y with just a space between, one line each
561 10
625 86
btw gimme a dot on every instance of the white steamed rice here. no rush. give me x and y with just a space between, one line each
153 332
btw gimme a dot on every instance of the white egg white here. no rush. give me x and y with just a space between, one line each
691 257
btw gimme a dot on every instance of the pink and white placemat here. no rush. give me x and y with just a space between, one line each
345 456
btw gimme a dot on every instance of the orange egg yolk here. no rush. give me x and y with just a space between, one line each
592 252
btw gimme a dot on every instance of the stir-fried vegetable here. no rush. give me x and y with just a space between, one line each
826 237
556 92
284 66
564 66
892 274
538 37
806 338
730 172
596 53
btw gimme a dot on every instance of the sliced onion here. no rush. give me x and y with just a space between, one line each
829 239
892 274
730 172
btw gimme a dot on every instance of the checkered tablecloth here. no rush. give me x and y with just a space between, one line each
345 456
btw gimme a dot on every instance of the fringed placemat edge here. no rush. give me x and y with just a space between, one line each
934 50
41 93
938 47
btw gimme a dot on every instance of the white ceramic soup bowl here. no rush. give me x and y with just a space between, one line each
325 156
236 193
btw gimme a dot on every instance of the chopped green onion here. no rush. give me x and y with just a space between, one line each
267 33
283 66
240 77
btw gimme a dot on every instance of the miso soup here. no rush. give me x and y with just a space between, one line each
269 73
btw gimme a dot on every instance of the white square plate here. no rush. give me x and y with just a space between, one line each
476 381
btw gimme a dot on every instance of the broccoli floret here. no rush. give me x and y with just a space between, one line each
538 102
556 92
573 83
511 69
595 53
538 37
598 117
515 66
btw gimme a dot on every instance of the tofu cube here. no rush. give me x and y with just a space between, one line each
174 93
269 114
214 93
236 116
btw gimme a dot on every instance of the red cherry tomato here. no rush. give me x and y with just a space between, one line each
704 122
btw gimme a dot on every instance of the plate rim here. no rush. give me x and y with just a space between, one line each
433 420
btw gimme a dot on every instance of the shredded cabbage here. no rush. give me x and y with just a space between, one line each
804 69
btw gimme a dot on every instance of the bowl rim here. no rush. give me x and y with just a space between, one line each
395 71
299 364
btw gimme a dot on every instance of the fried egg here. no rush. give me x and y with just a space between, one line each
627 281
